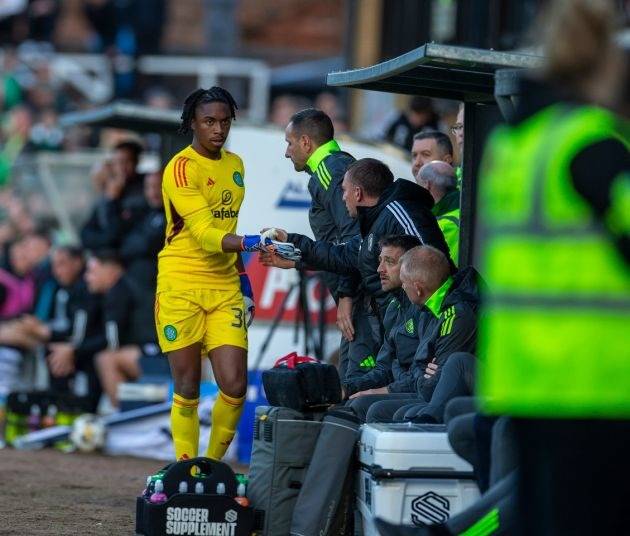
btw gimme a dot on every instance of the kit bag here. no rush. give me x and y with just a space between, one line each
284 440
302 383
326 501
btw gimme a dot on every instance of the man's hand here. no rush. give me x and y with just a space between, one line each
114 186
344 318
270 259
61 359
379 391
275 234
431 369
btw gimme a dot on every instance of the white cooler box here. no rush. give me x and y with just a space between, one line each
409 475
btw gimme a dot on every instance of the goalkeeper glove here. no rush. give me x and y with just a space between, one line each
248 298
254 243
286 250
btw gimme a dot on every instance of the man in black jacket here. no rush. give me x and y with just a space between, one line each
383 207
128 324
122 202
75 331
140 244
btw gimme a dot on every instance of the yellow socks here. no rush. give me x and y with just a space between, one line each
185 426
225 415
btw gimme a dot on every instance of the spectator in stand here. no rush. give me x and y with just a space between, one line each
42 17
75 333
129 325
15 140
419 116
329 103
140 245
46 134
10 90
122 201
20 276
283 107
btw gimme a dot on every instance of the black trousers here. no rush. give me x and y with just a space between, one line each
574 477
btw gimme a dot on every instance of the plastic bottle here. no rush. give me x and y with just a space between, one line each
50 418
158 496
199 488
183 487
220 488
145 491
240 495
34 418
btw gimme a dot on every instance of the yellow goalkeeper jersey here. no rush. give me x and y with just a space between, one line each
194 186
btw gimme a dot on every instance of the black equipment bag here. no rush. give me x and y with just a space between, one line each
301 383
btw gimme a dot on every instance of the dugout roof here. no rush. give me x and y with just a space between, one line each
125 116
433 70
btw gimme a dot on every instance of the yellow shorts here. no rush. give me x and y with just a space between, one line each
212 317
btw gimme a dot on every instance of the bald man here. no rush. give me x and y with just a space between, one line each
439 178
447 324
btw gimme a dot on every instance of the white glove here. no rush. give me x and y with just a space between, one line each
271 234
286 250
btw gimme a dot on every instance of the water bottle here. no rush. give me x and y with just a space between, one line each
199 488
158 496
220 488
146 492
240 495
50 418
183 487
34 418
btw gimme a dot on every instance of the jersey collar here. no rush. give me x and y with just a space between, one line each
320 153
434 303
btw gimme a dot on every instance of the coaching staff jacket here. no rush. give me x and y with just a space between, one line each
403 208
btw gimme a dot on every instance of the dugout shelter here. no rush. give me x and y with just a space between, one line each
485 80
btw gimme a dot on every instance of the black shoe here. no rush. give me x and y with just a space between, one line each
385 528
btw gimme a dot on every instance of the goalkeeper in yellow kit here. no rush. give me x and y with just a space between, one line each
204 301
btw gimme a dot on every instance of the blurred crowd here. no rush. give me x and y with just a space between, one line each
63 298
88 312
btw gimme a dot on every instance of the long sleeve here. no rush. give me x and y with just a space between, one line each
318 255
190 204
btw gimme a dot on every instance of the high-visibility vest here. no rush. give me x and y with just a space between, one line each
449 225
554 335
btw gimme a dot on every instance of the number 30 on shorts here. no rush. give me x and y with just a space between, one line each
238 317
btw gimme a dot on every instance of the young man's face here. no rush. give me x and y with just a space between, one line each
124 163
425 151
99 275
66 268
211 125
297 149
389 267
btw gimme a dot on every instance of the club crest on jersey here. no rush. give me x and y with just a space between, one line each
210 182
226 197
238 179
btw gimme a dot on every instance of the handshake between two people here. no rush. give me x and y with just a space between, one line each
273 248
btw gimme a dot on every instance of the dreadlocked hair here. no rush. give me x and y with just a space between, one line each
203 96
